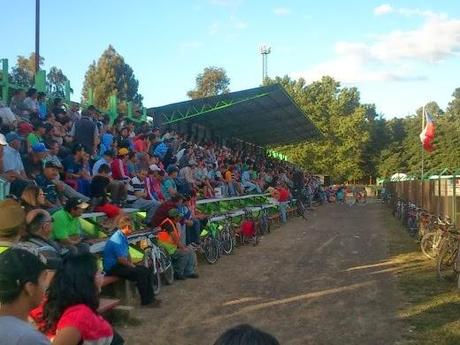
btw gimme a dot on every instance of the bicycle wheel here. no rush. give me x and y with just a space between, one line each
167 269
301 210
226 241
156 280
447 255
211 250
430 244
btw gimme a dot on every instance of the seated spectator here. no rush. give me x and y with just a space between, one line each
22 282
12 223
98 192
246 181
67 229
37 238
246 335
73 166
183 258
168 186
162 212
116 188
131 164
137 195
69 315
119 165
32 198
33 162
47 182
7 116
153 183
52 153
37 136
117 262
12 161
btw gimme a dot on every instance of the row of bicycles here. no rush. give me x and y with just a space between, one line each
221 238
438 238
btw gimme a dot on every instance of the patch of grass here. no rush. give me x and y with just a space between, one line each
432 311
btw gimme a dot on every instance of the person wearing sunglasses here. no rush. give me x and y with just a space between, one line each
39 226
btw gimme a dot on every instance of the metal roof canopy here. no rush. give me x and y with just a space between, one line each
265 116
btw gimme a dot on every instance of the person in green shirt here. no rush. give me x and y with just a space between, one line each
66 226
36 136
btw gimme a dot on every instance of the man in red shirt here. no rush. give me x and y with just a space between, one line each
282 195
162 211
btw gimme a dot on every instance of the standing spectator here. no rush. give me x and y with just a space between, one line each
117 262
31 105
42 109
22 281
67 229
69 315
85 133
17 102
74 112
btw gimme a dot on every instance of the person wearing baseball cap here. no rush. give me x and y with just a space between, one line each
12 161
22 288
169 238
66 225
33 162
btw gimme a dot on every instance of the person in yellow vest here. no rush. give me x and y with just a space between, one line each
183 258
12 223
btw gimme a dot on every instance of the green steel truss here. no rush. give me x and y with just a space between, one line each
194 111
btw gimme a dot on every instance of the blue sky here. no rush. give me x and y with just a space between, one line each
399 54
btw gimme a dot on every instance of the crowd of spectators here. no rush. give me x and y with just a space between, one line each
60 162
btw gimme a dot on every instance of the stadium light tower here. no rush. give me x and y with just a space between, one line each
264 51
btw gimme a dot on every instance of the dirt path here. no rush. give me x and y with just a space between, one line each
318 282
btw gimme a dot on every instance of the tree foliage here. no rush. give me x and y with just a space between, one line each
111 76
55 83
358 143
213 81
22 74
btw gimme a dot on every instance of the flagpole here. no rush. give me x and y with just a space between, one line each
423 156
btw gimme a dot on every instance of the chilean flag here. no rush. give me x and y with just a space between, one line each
427 135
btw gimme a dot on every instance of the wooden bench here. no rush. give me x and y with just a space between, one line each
120 287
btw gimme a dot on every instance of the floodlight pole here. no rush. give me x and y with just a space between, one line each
264 51
37 36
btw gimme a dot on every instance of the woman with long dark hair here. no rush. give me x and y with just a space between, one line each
70 314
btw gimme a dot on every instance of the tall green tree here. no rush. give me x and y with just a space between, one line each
55 82
111 75
343 122
213 81
22 74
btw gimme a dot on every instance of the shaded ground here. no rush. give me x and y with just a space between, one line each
325 281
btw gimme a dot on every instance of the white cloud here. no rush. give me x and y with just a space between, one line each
281 11
383 9
393 56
